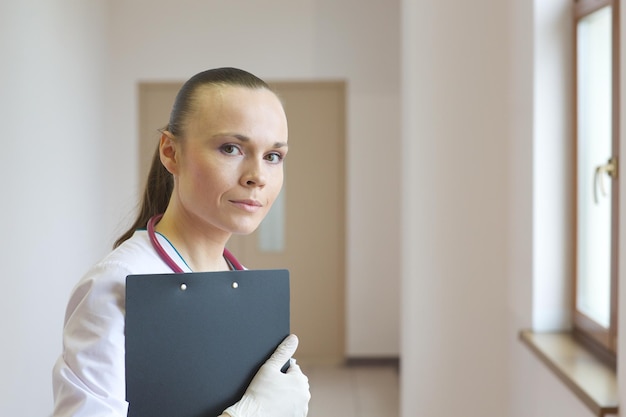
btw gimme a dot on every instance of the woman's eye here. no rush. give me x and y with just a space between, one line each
230 149
274 157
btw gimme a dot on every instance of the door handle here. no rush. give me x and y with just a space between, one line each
610 168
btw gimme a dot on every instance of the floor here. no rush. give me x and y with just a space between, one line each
353 391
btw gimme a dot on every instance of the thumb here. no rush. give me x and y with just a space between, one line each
283 352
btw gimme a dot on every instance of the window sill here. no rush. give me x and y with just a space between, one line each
590 379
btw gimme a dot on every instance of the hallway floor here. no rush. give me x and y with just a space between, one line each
353 391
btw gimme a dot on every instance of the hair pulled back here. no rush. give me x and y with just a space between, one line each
160 183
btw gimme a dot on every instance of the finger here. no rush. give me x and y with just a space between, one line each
283 352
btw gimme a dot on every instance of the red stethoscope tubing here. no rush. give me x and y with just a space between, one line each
168 260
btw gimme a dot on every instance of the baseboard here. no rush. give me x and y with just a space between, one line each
391 361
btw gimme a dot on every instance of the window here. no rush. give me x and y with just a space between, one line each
597 86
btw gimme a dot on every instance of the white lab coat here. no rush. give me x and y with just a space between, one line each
89 376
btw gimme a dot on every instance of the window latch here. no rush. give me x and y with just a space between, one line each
610 168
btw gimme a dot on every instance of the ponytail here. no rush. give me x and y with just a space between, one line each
156 197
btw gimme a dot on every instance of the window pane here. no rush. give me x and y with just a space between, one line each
272 228
594 150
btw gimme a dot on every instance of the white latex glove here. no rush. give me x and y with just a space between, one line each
273 393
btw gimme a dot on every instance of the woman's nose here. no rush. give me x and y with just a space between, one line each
253 175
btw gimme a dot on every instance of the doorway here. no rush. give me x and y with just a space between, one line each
310 222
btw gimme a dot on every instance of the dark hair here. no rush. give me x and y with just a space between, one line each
160 183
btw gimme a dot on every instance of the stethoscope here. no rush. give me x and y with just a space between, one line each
230 258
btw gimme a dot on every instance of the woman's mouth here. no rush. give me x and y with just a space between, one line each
251 206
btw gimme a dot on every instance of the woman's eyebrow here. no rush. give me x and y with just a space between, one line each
237 136
245 139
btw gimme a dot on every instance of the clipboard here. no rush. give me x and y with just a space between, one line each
194 341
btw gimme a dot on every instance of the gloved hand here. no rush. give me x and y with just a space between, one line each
273 393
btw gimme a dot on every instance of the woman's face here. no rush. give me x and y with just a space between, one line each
228 169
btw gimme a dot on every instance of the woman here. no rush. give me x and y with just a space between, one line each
217 171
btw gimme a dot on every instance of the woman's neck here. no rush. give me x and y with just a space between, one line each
201 248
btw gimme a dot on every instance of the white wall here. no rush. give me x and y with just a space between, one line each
456 208
552 163
51 105
282 40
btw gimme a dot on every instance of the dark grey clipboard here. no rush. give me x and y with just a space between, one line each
192 352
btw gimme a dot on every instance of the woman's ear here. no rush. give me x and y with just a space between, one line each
168 150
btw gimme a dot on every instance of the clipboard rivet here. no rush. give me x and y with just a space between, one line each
183 286
235 285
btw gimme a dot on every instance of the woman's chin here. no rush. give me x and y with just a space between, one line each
244 230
